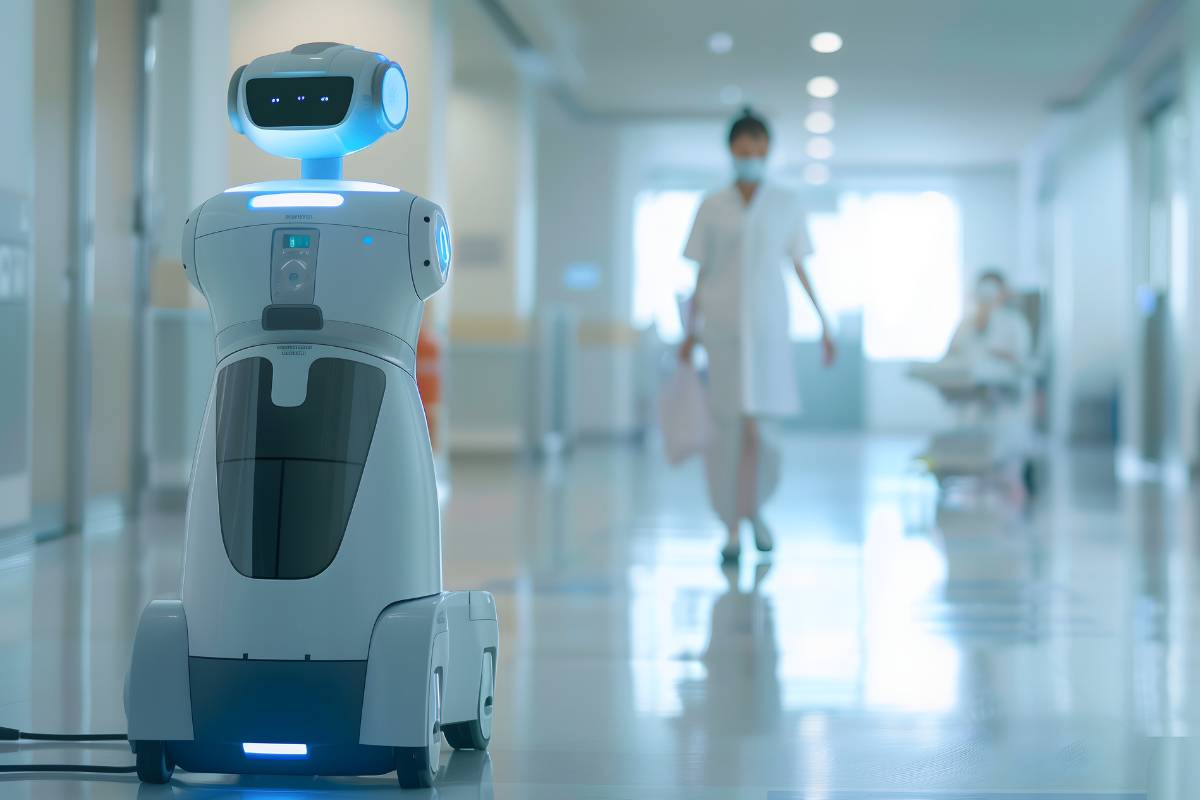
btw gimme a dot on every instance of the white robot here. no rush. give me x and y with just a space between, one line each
312 635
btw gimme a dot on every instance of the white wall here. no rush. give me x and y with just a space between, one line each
1092 256
493 202
189 139
490 123
16 134
53 162
578 211
587 180
16 181
118 61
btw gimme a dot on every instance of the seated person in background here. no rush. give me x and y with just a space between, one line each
995 331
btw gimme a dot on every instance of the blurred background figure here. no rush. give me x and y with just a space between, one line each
987 378
994 329
741 238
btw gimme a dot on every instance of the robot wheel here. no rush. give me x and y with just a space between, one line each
154 764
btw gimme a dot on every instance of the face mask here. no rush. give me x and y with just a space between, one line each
749 170
987 294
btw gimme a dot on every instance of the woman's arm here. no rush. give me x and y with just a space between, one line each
690 334
828 348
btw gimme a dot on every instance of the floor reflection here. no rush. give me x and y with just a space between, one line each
892 647
737 699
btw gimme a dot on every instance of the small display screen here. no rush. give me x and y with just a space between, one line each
299 102
295 242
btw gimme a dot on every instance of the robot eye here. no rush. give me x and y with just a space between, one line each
283 102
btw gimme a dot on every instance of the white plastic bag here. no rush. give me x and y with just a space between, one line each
683 414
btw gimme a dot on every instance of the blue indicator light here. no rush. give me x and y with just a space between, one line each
443 247
368 240
274 750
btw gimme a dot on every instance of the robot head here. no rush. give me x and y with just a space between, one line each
319 100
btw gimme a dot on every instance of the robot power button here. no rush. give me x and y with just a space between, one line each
293 274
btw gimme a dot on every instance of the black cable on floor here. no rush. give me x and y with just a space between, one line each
13 735
67 768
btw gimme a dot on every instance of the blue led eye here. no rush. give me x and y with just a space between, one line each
368 240
299 97
325 99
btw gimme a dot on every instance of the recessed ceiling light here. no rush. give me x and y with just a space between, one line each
826 42
720 42
819 122
819 148
822 87
732 95
816 174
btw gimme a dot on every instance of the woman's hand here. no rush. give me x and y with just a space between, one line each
685 349
828 349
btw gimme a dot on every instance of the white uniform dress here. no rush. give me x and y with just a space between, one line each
743 251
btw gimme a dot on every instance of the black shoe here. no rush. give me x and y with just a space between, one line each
763 539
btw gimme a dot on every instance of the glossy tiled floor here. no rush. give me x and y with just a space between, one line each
889 652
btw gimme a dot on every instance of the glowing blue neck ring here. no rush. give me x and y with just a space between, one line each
329 169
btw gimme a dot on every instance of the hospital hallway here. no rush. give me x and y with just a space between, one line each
600 400
886 652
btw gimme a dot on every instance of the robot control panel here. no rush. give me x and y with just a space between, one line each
294 266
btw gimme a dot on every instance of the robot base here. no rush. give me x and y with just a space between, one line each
430 671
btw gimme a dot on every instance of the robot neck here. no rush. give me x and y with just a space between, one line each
321 168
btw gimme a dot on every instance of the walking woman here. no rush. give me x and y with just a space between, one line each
742 238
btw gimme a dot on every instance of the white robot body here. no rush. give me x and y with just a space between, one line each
329 615
312 635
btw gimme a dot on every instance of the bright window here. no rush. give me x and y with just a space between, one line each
894 257
662 276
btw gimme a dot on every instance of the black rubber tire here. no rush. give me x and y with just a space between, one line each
413 769
154 764
466 735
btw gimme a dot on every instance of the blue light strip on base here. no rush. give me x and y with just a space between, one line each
274 750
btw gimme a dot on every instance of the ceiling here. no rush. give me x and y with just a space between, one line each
954 82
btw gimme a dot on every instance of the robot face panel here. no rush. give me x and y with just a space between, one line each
318 101
298 102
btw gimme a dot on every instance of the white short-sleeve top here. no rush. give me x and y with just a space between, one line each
743 250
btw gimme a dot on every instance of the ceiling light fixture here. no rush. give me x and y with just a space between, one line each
819 148
816 175
819 122
720 42
826 42
822 87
